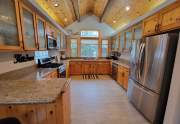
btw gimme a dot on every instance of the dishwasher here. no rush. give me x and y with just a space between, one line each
114 71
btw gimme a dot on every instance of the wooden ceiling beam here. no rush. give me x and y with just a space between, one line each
104 10
75 4
69 5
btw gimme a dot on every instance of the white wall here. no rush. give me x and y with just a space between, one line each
7 62
91 22
172 115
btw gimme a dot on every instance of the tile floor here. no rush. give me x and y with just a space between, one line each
101 102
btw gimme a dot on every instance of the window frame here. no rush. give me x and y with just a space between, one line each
76 48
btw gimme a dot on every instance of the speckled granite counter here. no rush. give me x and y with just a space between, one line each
28 73
30 91
122 63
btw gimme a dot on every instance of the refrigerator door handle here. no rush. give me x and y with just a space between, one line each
140 58
138 64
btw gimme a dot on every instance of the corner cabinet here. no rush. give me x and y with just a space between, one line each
41 33
10 28
28 27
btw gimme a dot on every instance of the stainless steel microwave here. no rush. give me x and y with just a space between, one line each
52 42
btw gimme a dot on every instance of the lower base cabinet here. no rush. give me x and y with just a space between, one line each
89 67
123 75
57 112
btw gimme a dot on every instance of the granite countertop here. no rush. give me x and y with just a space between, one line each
122 63
28 73
30 91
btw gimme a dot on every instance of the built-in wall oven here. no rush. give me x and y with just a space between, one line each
114 71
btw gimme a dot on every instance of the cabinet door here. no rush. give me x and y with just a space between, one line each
41 33
66 103
58 40
170 17
10 30
63 41
122 41
51 113
28 27
150 25
126 77
128 38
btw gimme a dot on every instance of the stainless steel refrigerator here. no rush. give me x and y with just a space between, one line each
151 62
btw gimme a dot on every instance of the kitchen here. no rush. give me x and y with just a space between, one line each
89 62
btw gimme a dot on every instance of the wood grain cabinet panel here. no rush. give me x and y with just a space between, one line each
57 112
151 25
75 68
123 76
170 17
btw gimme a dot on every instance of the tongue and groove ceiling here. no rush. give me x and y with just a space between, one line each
111 12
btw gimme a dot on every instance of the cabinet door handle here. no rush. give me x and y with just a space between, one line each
156 26
51 112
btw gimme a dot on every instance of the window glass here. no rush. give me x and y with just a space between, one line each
89 34
104 48
73 48
89 48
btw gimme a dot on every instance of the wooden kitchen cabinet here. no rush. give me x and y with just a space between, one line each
123 76
128 39
165 20
89 67
66 105
28 27
150 25
53 74
170 17
10 32
41 33
75 68
57 112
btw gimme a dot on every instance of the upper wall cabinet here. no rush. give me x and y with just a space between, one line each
165 20
151 25
41 34
58 39
128 37
28 27
122 41
170 17
63 41
10 30
137 32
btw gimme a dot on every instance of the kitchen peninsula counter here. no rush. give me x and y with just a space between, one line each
31 91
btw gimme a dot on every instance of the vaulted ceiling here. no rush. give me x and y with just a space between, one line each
115 13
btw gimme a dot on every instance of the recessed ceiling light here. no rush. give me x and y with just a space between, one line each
114 21
56 4
65 19
127 8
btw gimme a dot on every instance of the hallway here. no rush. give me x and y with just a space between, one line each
101 102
